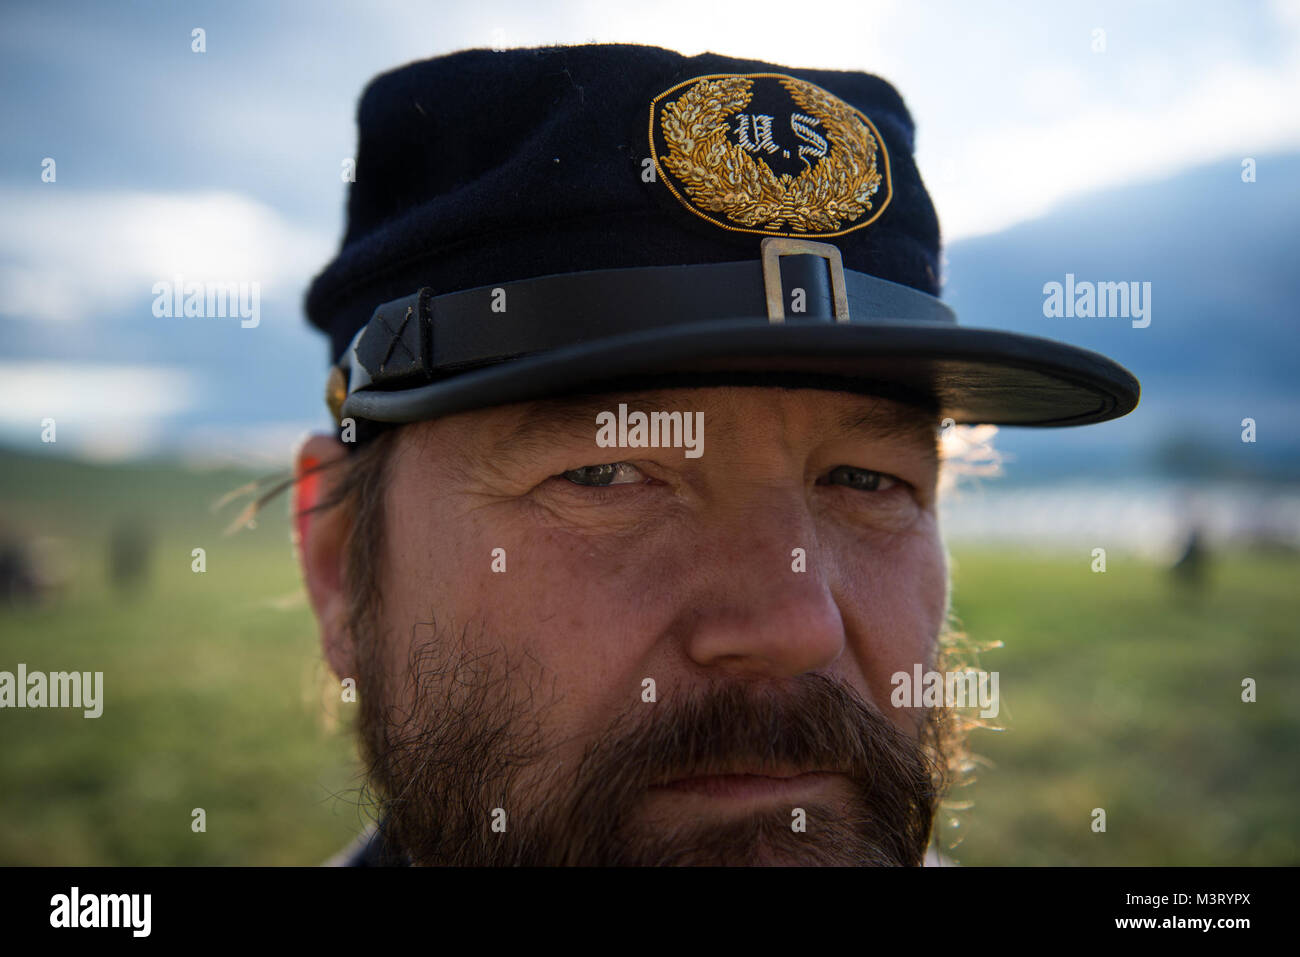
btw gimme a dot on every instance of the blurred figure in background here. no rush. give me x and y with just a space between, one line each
130 547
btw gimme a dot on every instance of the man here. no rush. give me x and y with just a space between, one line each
630 520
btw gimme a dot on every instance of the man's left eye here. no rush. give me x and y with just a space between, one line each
600 476
863 480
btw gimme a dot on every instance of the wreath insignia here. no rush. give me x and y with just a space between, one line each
770 154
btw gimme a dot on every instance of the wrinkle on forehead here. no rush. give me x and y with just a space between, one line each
536 424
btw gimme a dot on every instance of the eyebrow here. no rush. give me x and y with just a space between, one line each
894 420
570 415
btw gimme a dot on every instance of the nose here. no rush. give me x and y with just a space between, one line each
753 611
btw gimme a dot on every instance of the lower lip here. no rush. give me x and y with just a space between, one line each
747 785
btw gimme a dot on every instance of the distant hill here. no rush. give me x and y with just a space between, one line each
1222 258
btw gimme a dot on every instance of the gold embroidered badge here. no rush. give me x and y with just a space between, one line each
768 153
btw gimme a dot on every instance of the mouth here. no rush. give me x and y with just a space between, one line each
746 785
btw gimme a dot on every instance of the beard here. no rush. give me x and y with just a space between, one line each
458 741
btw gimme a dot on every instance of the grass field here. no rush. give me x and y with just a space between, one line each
1118 692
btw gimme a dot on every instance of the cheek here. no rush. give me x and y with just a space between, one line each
571 612
892 593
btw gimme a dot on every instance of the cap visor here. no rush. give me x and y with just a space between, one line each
971 375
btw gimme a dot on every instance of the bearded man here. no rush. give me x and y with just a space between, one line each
630 518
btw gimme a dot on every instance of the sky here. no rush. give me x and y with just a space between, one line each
226 163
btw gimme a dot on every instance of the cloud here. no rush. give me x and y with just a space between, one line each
102 411
1235 111
1145 109
77 254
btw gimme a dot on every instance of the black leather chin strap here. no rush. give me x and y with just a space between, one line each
422 337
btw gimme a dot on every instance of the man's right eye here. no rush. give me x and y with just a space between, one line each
600 476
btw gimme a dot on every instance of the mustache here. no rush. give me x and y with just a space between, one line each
473 740
808 723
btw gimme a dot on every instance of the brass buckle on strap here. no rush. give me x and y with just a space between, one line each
773 247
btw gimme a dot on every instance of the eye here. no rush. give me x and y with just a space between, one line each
862 480
601 476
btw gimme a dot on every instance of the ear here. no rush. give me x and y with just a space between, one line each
320 539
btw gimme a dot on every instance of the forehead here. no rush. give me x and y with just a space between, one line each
825 415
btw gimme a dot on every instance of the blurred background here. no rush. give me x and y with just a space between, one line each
1155 143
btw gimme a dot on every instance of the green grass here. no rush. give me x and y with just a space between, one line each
1117 692
1121 692
215 695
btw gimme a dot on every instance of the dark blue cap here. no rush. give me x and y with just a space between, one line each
645 213
483 167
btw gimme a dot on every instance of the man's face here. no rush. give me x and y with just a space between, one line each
672 660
